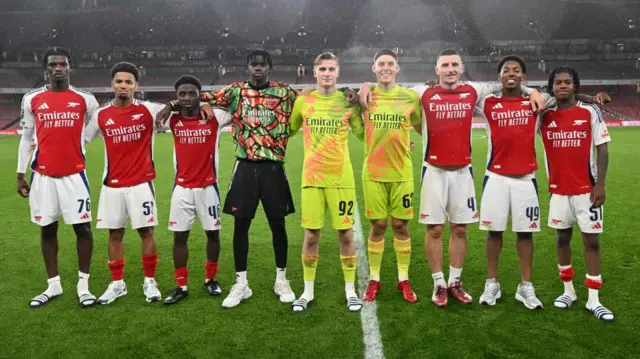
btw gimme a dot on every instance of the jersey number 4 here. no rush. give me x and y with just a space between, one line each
533 213
214 211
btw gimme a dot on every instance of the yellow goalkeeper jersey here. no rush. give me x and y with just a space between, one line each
387 125
325 121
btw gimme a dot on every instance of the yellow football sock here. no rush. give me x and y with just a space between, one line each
348 268
403 257
309 265
375 250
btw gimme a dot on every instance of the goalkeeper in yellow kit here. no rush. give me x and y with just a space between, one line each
387 175
325 117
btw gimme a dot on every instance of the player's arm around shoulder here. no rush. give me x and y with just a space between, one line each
356 122
92 129
295 120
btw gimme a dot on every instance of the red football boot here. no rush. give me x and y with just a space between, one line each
457 292
372 291
440 297
407 292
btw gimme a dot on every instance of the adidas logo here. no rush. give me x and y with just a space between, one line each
110 122
553 124
136 117
498 105
73 104
179 124
436 97
597 226
476 215
346 220
44 106
533 225
85 216
218 223
151 220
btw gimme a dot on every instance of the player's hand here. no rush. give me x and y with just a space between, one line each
33 145
23 187
352 96
597 196
538 102
412 146
601 98
206 96
206 112
163 116
306 91
365 95
432 82
283 84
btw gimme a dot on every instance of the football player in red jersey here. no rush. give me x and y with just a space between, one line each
509 186
196 192
575 140
448 190
53 117
127 126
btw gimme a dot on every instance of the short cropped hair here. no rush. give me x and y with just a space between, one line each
188 80
515 58
326 56
383 52
55 51
125 67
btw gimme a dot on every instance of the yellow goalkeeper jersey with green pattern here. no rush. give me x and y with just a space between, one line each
387 126
325 121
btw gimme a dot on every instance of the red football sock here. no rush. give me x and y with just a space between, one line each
211 270
117 269
149 264
182 276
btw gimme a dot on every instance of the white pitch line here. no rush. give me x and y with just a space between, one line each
373 348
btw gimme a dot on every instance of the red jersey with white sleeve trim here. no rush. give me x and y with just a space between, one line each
448 119
570 137
59 120
511 129
128 141
195 151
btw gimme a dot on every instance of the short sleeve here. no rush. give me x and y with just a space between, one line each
27 119
598 127
224 118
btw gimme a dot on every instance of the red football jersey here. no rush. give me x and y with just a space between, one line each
195 151
448 120
128 140
511 129
569 138
59 121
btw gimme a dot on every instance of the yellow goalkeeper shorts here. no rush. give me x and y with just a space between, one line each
382 199
341 203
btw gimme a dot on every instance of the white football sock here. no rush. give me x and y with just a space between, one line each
281 274
241 278
83 283
350 289
594 299
55 287
308 290
438 279
454 274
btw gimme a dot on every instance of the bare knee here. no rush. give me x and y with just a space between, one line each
591 242
434 231
83 231
524 236
459 231
180 238
312 237
49 232
146 232
563 237
345 236
116 235
400 227
495 235
379 227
